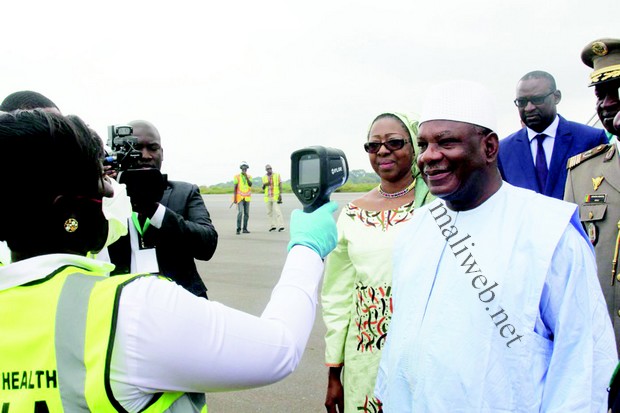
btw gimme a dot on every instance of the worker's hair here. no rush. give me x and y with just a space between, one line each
50 169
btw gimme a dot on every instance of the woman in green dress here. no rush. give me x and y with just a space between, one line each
356 296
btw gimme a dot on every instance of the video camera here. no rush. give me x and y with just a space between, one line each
316 172
123 155
144 185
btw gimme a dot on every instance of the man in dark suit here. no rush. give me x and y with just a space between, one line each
535 157
166 236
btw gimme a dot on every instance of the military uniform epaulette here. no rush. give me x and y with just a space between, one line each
579 158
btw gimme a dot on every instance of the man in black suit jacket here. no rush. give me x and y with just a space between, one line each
519 155
165 236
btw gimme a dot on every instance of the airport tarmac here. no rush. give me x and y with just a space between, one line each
241 274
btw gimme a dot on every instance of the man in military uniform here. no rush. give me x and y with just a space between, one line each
594 176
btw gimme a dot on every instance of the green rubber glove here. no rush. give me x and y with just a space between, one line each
315 230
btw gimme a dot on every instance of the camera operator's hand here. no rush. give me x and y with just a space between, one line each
145 188
109 171
315 230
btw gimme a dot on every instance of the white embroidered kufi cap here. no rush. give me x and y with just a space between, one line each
461 101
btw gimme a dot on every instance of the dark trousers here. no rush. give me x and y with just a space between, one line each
243 211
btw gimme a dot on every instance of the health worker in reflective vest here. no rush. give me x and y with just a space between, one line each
76 340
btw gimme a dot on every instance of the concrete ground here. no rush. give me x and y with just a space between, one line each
246 283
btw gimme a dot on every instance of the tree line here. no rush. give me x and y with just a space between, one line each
359 181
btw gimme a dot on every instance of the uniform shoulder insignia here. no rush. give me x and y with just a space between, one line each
583 156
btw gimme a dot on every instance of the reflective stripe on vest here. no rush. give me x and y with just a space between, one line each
85 323
69 341
276 185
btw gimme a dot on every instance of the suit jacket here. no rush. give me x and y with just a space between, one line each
186 234
600 213
517 166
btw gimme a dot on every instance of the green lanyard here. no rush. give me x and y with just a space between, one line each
141 230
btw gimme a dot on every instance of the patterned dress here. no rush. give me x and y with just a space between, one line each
357 298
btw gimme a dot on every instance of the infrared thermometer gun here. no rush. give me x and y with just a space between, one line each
316 172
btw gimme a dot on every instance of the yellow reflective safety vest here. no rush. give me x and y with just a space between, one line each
56 346
244 191
275 179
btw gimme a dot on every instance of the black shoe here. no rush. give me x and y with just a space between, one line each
245 231
281 229
272 229
238 232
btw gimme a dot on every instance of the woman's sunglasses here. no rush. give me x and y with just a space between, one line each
391 145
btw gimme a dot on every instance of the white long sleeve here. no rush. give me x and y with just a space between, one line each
170 340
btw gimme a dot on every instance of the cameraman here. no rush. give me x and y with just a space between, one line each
165 236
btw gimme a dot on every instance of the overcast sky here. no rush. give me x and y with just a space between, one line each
231 81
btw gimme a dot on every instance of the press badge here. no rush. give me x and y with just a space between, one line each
143 260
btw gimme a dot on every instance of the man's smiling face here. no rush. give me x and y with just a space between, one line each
452 160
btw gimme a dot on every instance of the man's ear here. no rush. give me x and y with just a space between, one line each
78 224
490 144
